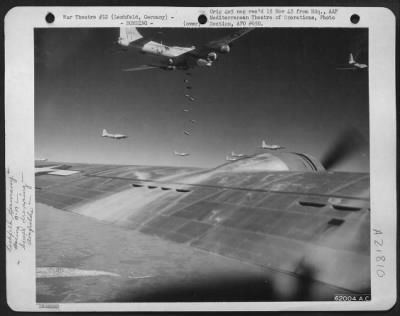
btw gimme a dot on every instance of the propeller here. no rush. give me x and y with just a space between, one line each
348 143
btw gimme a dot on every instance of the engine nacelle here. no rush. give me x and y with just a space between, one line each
203 62
212 56
225 49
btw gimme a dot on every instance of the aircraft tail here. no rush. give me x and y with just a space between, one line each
128 35
105 133
263 144
351 59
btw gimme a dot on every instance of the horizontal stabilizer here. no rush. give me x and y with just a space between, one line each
139 68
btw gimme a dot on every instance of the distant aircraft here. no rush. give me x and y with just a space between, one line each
115 136
193 121
186 133
186 80
176 153
230 158
176 57
185 110
189 87
264 145
41 159
236 155
354 65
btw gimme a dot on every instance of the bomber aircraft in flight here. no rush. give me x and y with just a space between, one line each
353 64
114 136
264 145
231 158
233 154
176 57
177 153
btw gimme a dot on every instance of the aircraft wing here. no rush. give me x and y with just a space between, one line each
142 67
226 40
311 226
203 50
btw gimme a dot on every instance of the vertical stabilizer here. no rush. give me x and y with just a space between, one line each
263 144
351 59
104 133
128 35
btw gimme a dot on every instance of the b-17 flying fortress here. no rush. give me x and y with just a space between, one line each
353 65
181 154
176 57
281 212
114 136
233 154
264 145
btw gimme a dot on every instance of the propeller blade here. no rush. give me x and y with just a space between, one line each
347 144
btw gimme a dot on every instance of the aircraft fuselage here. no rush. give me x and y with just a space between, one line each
116 136
159 49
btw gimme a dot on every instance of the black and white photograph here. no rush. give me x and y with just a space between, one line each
201 165
171 163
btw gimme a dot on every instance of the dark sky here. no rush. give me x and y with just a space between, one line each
277 84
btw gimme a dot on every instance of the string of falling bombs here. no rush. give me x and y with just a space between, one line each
188 123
